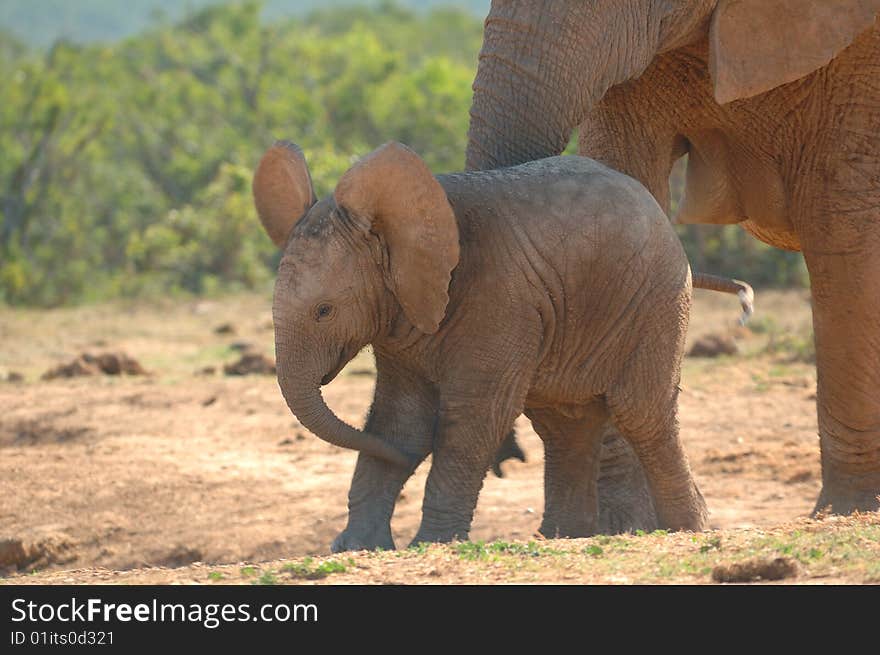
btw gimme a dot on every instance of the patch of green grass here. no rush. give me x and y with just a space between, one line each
215 576
655 533
248 571
823 552
480 550
308 570
420 548
821 549
472 550
594 551
268 578
617 543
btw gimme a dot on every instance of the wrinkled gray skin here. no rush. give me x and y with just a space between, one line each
569 302
777 105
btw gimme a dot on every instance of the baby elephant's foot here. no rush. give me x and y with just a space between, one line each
685 513
363 539
569 528
441 526
443 536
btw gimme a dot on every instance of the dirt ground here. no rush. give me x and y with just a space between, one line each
181 466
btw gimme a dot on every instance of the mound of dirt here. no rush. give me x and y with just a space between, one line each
30 432
178 555
251 364
103 363
751 570
714 345
77 368
116 364
17 554
108 363
13 377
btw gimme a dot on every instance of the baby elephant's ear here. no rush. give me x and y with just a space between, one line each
283 191
395 193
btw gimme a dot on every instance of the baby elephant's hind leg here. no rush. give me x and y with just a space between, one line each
651 427
571 469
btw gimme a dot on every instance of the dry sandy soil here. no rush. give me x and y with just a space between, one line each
102 474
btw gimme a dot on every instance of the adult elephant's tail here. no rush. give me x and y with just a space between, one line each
727 285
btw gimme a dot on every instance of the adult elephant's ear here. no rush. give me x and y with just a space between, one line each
393 192
757 45
283 191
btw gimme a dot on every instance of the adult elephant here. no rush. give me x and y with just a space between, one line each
776 103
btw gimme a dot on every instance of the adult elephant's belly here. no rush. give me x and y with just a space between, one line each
779 237
764 197
731 180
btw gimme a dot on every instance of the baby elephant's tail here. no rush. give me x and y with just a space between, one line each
726 285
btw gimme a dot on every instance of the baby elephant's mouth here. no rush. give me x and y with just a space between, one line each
345 357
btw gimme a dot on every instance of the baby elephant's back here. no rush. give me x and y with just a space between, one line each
582 218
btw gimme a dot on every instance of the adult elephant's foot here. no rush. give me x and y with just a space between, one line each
625 501
850 468
846 501
364 538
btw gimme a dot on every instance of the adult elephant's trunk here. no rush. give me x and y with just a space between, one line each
301 390
519 112
542 68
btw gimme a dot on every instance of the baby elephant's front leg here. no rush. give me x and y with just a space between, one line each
467 439
403 412
374 490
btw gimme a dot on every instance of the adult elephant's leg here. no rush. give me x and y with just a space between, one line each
843 258
571 467
625 502
403 410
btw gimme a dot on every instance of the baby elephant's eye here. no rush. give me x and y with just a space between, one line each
324 311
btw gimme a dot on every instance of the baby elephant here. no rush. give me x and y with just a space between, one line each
557 288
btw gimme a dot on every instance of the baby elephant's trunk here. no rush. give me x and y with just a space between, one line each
727 285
